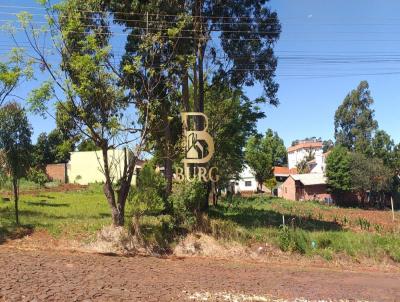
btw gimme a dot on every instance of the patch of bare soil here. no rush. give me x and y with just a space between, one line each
57 275
116 241
202 245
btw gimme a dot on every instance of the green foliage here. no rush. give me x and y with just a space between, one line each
338 170
291 240
232 119
383 148
186 200
369 174
263 153
15 139
87 145
354 120
12 72
51 148
37 176
147 197
271 183
364 223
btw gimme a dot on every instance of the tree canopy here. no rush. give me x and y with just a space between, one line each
15 143
354 120
263 153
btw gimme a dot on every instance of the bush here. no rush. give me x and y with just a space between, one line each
186 199
37 176
148 196
291 240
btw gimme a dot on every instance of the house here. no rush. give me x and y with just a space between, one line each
246 183
318 165
302 149
86 167
282 173
312 186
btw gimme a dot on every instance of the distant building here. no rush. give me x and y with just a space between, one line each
87 167
312 186
246 183
282 173
302 149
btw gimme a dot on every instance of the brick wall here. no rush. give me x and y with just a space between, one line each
317 192
288 189
57 172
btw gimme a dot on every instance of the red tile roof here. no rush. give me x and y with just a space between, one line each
284 171
305 145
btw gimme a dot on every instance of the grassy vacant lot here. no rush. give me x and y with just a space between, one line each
310 228
72 214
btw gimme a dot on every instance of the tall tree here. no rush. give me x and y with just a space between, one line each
51 148
232 119
13 72
354 120
15 143
327 145
246 33
383 148
370 175
338 170
263 153
93 101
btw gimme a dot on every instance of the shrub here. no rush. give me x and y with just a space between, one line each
291 240
37 176
186 199
227 230
148 196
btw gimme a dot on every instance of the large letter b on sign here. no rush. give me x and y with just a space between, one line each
199 145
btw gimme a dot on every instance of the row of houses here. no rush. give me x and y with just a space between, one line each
86 167
291 184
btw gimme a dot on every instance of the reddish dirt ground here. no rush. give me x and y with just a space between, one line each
40 275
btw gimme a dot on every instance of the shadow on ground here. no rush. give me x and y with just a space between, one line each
46 203
250 217
16 233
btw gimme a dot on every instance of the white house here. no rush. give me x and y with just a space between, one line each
246 182
302 149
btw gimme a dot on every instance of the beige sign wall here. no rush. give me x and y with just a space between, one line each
87 167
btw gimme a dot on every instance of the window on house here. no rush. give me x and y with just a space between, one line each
247 183
285 189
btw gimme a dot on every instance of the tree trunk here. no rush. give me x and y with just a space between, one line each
125 186
185 91
168 159
15 189
117 218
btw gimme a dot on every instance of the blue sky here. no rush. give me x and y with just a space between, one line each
320 50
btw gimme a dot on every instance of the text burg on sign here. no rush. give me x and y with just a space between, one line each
199 149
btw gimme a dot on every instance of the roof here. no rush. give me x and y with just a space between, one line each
284 171
310 179
305 145
281 171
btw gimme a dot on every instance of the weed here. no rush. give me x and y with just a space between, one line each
364 223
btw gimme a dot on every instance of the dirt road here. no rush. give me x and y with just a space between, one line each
66 276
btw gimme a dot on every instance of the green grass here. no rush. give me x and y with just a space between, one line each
80 214
60 213
251 220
